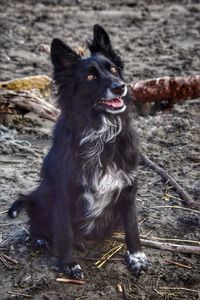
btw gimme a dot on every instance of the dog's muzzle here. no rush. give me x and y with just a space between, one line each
113 102
118 89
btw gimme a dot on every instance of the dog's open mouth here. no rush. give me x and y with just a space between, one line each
115 105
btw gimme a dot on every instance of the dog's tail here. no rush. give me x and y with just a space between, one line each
18 206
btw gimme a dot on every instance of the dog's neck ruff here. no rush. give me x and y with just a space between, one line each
96 139
107 131
92 145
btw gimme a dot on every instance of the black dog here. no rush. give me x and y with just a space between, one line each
89 176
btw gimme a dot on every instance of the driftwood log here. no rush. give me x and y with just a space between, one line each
25 101
40 82
22 95
171 89
19 93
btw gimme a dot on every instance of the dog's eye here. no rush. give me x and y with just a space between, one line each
113 70
90 77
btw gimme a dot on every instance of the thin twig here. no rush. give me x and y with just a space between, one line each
97 259
183 194
4 261
174 240
178 264
20 294
10 162
178 289
26 230
176 207
159 293
125 293
10 259
3 212
142 221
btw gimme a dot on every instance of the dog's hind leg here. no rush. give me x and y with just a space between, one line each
136 259
63 238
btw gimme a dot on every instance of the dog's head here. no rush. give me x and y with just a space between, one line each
92 83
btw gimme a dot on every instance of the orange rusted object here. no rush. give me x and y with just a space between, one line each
172 89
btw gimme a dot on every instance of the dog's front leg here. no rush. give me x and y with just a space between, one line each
136 259
64 240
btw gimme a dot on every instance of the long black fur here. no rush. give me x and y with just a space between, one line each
57 209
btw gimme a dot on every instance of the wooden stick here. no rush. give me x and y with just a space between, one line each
20 294
177 207
68 280
96 259
175 240
178 264
8 258
3 212
121 235
172 89
5 262
178 289
167 246
183 194
171 247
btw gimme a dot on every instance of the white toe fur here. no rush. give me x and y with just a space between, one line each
14 213
137 261
75 268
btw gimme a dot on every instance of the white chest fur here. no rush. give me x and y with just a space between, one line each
102 191
101 188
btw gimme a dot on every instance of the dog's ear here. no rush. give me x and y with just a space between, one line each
101 40
62 56
101 44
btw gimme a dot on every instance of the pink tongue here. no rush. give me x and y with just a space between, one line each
115 102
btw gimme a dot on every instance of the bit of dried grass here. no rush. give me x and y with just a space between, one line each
108 255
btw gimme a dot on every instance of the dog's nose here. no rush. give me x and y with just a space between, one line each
117 89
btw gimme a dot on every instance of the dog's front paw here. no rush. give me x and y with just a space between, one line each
74 271
40 243
137 262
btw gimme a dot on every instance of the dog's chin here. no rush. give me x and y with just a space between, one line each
112 106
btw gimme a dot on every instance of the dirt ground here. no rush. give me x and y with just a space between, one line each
155 38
